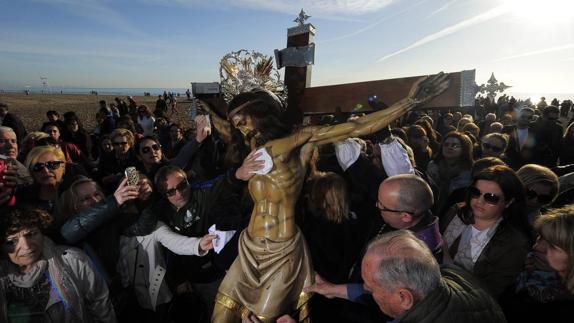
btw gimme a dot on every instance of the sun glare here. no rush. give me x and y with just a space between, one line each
541 11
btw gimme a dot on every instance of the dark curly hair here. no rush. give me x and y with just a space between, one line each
17 218
265 109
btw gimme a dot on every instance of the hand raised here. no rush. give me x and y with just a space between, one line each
202 128
428 87
125 192
250 165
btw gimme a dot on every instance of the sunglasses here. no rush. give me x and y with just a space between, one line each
489 198
147 149
51 165
542 198
180 188
120 143
493 148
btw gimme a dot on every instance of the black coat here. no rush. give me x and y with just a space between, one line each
502 258
458 298
12 121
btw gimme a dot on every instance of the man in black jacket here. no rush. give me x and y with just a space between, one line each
191 211
8 119
521 140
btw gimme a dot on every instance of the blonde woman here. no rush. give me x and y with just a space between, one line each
47 165
545 289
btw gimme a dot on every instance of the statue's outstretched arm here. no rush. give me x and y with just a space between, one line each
422 91
223 126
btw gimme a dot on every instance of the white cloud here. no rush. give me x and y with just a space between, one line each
483 17
442 8
97 11
536 52
311 7
376 23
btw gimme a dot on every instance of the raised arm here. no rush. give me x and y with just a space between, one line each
422 91
223 126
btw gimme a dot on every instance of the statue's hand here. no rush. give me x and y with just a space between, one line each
428 87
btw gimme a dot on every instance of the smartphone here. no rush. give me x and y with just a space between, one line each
132 175
5 163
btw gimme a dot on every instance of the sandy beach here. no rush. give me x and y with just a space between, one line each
32 108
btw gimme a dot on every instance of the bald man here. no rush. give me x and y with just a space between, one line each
404 202
408 285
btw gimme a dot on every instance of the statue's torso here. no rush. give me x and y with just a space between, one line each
275 195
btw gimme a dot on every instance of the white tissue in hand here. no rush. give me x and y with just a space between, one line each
395 159
268 162
222 239
347 152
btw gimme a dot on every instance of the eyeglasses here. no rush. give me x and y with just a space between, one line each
381 208
449 145
179 187
51 165
489 198
120 143
542 198
147 149
496 149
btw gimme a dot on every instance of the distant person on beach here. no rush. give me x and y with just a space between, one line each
188 93
146 120
8 119
173 102
122 106
132 108
160 107
106 121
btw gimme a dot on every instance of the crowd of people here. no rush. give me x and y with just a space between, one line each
442 216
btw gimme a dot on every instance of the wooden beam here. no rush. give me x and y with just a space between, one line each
324 99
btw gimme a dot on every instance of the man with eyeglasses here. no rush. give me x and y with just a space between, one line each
522 139
404 202
191 211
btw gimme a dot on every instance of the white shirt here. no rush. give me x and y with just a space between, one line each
147 125
149 286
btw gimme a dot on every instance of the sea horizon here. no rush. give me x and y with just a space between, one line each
100 91
181 91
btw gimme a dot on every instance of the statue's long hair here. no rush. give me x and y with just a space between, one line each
266 112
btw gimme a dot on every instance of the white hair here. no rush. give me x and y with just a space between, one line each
406 262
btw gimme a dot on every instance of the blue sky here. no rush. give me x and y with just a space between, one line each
168 43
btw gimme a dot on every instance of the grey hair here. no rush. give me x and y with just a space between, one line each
501 137
4 129
414 193
406 262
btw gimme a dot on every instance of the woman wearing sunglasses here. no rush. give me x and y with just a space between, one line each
47 165
149 150
478 233
542 187
493 145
